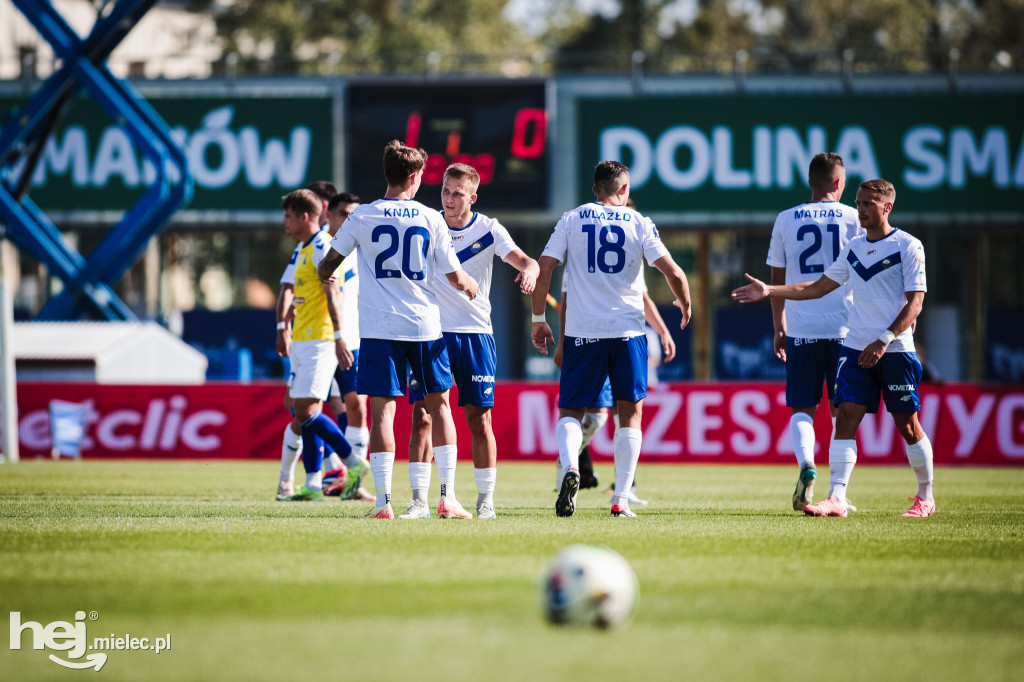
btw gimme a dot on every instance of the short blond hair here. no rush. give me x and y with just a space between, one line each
881 187
462 171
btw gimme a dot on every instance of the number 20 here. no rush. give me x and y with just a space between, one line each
391 233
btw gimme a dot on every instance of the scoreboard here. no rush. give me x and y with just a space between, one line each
499 128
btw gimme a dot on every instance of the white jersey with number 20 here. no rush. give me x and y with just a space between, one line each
603 248
402 244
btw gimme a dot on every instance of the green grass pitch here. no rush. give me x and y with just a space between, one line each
734 584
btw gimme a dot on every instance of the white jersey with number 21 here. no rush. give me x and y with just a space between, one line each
806 240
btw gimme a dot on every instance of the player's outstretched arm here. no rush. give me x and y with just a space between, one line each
528 270
677 282
464 282
779 314
540 332
758 290
325 268
653 318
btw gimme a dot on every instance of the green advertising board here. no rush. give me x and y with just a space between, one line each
951 158
243 153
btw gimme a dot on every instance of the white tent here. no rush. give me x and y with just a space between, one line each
105 352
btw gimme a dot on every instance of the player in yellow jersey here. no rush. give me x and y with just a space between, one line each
315 346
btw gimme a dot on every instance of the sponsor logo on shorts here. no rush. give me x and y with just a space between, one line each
906 398
580 341
488 391
901 387
482 378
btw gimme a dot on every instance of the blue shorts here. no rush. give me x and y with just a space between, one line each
896 375
347 378
604 398
809 364
474 362
382 367
588 363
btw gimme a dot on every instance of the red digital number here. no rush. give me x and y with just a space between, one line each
483 163
523 148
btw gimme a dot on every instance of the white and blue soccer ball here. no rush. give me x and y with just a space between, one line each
588 585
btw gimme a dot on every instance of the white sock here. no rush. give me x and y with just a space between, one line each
419 480
591 424
485 480
445 457
569 434
359 439
315 481
627 453
291 450
559 473
842 455
333 462
382 464
801 430
833 436
615 420
920 456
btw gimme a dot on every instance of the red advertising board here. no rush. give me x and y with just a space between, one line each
685 422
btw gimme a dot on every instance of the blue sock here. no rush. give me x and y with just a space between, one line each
312 454
327 429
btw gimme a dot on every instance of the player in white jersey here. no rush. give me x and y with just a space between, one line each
466 325
604 243
885 267
806 240
349 407
401 245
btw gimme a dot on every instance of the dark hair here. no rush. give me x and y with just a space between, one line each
823 170
400 162
342 198
880 186
302 201
606 177
323 189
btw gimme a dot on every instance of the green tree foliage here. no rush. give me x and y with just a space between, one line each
365 36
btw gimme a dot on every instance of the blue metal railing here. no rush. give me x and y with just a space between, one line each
84 72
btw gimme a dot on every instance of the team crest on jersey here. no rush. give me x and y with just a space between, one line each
298 281
886 262
476 247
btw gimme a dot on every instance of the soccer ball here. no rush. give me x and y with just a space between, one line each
588 585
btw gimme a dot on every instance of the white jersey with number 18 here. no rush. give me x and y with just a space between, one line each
402 244
603 248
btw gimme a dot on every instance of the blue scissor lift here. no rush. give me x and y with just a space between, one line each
83 72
